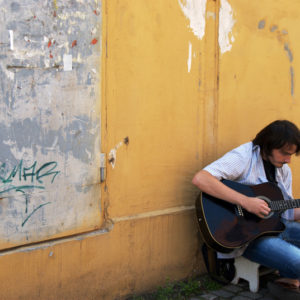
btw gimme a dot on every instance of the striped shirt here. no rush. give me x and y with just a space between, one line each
244 165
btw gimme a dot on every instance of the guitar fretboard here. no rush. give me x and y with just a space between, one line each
284 204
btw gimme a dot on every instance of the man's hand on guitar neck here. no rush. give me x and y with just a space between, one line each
212 186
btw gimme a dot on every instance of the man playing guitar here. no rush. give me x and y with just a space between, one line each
264 159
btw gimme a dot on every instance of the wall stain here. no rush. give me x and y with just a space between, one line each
261 24
289 52
282 37
273 28
74 43
292 80
94 41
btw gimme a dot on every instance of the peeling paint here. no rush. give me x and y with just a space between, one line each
189 61
194 10
226 23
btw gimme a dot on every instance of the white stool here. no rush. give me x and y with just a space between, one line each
248 270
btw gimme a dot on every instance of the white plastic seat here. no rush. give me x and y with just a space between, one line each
248 270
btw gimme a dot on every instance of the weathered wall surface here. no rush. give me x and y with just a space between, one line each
49 119
150 128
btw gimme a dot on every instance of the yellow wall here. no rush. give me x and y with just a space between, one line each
151 98
131 257
173 99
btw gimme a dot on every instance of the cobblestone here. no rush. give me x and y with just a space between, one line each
239 292
226 292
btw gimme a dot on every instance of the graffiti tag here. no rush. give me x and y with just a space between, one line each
21 178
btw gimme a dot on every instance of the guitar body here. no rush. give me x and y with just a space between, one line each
225 227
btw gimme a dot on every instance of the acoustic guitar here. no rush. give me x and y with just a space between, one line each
225 226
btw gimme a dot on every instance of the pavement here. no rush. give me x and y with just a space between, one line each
239 292
230 291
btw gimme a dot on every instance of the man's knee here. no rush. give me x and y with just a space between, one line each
291 233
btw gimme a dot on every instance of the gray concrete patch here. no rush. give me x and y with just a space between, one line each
251 295
233 288
223 293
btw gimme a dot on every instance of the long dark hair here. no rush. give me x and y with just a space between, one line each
276 135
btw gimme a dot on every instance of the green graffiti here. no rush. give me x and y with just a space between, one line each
30 215
23 175
23 178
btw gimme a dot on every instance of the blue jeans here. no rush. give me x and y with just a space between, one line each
281 252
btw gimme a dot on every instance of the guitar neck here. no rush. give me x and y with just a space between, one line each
284 204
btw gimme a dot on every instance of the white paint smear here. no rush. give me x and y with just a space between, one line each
112 156
11 38
189 61
211 14
10 75
69 16
194 10
67 62
226 23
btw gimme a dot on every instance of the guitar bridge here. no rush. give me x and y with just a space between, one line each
239 211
